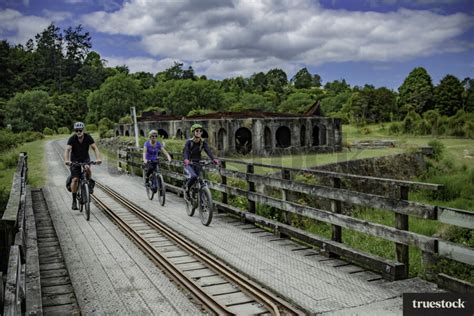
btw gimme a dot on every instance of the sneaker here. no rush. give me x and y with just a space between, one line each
74 205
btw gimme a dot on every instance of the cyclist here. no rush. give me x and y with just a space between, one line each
77 150
151 151
192 153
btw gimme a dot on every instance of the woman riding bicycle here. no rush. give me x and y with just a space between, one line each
192 153
77 150
151 152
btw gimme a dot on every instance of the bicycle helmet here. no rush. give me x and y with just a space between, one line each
194 127
153 132
78 125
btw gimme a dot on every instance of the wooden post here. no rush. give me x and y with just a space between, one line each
223 182
401 222
336 207
286 175
251 186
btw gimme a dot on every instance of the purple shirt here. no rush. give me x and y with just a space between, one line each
152 152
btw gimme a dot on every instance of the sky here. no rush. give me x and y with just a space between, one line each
375 42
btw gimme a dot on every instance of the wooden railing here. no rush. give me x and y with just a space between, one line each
283 180
22 291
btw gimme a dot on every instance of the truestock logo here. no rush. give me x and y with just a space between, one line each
432 304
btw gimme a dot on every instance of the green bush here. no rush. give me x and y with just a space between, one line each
365 130
126 120
410 122
438 148
91 128
48 131
64 131
8 139
9 160
395 128
30 136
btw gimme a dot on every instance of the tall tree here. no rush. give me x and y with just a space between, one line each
448 95
302 79
50 68
416 92
468 95
77 44
276 80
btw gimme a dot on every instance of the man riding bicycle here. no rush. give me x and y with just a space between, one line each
192 153
77 150
151 152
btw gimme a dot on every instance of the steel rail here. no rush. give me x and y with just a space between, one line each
269 300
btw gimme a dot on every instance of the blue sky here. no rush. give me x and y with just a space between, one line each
374 42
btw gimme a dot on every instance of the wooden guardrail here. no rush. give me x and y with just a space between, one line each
22 291
283 180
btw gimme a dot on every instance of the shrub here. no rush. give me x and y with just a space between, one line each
64 131
30 136
48 131
395 128
91 128
8 139
365 130
423 127
10 160
126 120
438 148
410 122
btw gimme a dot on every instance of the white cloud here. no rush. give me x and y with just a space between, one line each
136 64
233 37
18 29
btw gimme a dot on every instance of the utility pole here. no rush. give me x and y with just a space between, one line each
134 116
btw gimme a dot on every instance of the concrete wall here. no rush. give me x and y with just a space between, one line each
247 136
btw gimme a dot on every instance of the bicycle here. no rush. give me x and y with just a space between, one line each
83 190
155 184
200 196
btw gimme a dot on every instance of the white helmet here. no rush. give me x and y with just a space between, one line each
78 125
153 132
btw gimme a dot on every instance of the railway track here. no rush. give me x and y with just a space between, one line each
216 287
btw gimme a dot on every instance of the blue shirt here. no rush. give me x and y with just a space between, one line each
152 152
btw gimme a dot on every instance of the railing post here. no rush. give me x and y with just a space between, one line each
286 175
223 182
251 188
401 223
336 207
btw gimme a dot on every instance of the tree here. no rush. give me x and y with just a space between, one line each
31 111
258 82
448 95
77 44
468 94
92 73
252 101
50 67
114 98
336 86
416 92
296 103
276 80
302 79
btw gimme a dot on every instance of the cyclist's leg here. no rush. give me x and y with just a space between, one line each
191 177
75 174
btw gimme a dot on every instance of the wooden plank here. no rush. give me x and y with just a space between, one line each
248 309
58 289
59 299
456 217
13 204
221 289
238 298
357 198
46 282
453 284
456 252
388 233
33 282
69 309
12 301
389 269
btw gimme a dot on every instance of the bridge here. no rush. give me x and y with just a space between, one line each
54 261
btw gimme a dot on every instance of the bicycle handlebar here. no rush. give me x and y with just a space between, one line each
76 163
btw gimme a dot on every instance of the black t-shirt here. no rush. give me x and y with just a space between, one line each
80 151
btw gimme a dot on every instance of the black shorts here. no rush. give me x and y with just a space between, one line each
75 171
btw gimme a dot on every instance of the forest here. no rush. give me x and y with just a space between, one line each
56 79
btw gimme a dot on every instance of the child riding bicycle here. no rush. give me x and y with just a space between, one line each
192 153
151 152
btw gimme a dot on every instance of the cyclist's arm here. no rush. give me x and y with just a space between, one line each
208 151
67 154
187 151
97 153
144 154
166 154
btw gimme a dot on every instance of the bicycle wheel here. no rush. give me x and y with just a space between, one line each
79 199
205 206
161 189
86 200
149 192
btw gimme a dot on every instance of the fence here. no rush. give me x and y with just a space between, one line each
22 291
332 189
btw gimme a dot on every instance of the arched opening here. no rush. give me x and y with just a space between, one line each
283 137
117 133
204 134
221 137
142 133
315 135
303 136
243 140
127 133
267 138
179 134
322 135
162 133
